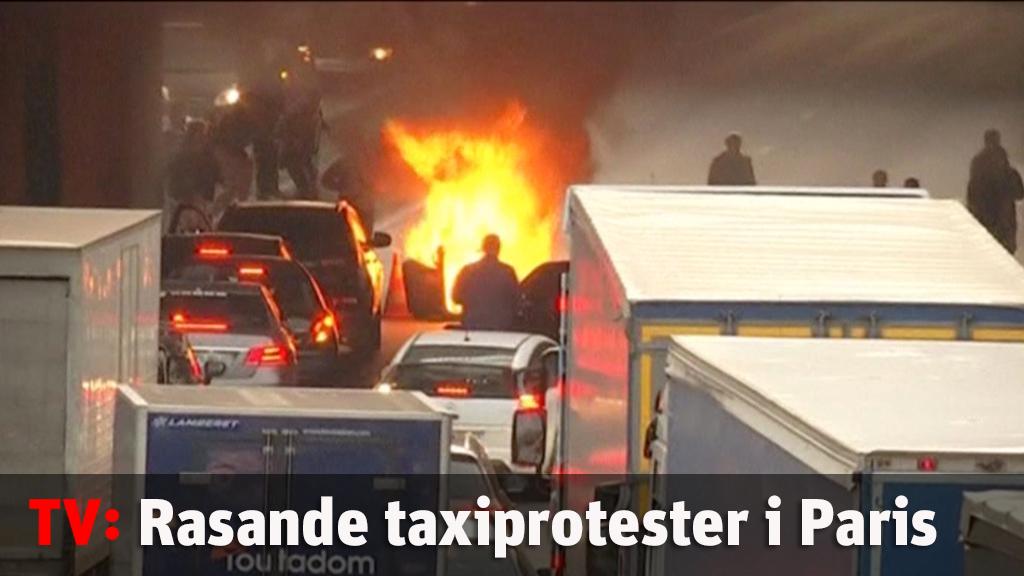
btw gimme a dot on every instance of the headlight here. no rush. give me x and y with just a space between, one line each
228 97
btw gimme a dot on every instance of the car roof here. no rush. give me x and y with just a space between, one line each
211 289
217 235
520 344
473 338
285 204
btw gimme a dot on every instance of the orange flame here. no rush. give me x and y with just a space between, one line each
478 183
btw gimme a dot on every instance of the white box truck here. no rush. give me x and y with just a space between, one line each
79 300
280 449
859 423
992 531
647 263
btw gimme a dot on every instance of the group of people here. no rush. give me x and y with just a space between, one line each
280 121
993 189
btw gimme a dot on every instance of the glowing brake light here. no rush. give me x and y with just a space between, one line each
453 390
563 303
531 401
269 355
927 464
182 323
213 251
252 271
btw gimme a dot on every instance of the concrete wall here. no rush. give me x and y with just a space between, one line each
81 105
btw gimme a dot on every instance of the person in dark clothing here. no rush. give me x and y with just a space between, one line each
488 291
193 173
264 105
880 178
993 189
732 168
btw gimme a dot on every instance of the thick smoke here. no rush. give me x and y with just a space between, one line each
824 94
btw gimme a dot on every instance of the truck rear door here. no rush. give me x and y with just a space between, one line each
33 376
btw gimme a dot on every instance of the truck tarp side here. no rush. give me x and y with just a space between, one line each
773 265
870 419
79 299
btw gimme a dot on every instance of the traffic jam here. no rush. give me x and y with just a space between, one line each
513 269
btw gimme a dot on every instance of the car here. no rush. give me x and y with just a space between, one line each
482 376
331 241
176 249
541 302
178 363
321 340
235 328
470 475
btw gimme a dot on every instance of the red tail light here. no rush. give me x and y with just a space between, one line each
453 390
213 251
252 271
531 401
927 464
269 355
182 323
562 304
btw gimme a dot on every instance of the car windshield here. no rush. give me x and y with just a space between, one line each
238 313
313 234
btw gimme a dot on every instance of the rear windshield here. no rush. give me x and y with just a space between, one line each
243 313
470 354
313 234
457 380
292 289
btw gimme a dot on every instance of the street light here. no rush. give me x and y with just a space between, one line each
382 53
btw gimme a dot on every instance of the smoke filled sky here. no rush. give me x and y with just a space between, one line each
823 93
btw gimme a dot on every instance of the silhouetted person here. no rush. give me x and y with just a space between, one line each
732 168
193 173
993 189
880 179
911 183
487 290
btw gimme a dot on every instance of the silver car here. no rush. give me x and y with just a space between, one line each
235 329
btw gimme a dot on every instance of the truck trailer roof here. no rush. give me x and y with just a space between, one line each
306 402
846 405
64 228
675 245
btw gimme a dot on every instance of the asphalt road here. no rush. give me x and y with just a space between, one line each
363 372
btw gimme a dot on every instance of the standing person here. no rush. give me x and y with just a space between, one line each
731 167
231 135
193 174
488 290
993 189
880 178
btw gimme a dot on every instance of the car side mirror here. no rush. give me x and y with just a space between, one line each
380 240
213 369
529 437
